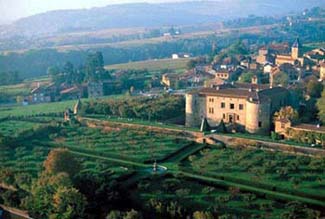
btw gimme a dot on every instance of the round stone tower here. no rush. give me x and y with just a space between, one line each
257 116
192 110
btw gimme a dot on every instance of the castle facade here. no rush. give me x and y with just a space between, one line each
246 107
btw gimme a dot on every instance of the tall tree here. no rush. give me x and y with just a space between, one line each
287 113
68 71
314 88
281 78
95 67
61 160
68 203
321 107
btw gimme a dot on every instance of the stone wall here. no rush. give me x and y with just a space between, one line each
95 123
237 142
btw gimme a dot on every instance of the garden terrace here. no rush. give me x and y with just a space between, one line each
131 144
11 128
189 194
297 175
20 165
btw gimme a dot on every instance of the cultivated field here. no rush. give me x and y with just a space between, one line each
45 108
270 170
229 181
127 144
153 65
195 195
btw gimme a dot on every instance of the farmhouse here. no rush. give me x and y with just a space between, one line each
43 94
305 132
248 107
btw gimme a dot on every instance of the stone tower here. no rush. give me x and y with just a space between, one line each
296 49
192 110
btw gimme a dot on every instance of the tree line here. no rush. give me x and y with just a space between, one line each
161 109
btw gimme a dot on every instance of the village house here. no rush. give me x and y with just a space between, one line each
315 133
43 94
267 68
223 74
264 56
316 55
73 93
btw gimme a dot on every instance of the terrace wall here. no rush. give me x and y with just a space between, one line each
230 141
95 123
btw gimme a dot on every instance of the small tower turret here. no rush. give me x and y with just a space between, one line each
77 107
295 49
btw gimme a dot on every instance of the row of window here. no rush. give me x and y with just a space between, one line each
231 105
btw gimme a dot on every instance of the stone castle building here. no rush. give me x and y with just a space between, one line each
245 107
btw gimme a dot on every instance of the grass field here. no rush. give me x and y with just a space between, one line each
43 108
153 65
36 109
15 90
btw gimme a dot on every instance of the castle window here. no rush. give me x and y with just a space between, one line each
224 116
237 117
232 106
223 105
211 100
259 124
241 106
211 110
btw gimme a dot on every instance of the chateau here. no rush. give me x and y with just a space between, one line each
243 107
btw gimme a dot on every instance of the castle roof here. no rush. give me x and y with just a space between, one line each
252 92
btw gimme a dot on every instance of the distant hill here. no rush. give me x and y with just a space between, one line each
149 15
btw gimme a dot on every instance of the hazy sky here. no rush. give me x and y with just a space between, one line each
13 9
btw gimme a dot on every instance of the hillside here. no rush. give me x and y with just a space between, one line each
149 15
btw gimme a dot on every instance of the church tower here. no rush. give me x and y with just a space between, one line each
295 49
